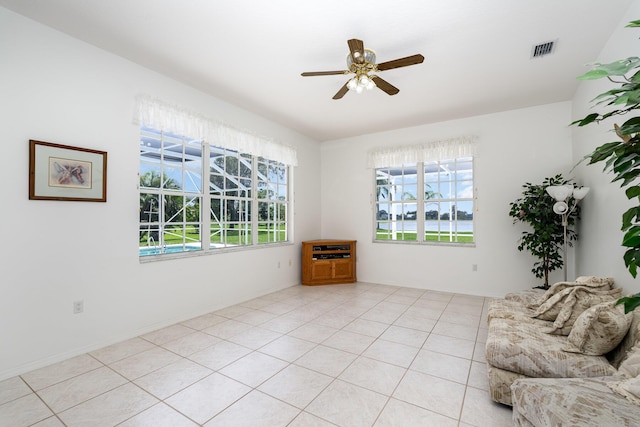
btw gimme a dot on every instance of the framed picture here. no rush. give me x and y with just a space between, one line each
62 172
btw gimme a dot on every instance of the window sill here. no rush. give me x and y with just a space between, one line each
192 254
415 243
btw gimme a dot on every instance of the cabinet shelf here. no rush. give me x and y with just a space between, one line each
327 262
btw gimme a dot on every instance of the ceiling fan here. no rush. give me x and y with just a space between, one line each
361 62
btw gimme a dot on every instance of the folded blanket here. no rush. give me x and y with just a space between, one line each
565 306
602 283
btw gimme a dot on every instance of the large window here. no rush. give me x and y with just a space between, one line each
195 196
425 202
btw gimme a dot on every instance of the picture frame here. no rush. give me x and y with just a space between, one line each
63 172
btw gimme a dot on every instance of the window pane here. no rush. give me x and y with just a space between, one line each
231 187
409 192
193 182
245 165
464 190
173 207
150 176
192 209
216 184
149 208
172 179
231 165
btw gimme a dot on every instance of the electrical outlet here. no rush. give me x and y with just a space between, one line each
78 307
474 267
278 264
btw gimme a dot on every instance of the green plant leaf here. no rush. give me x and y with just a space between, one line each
630 126
609 94
630 261
624 170
588 119
604 151
622 99
631 238
629 177
624 156
616 68
628 216
633 24
594 74
630 303
632 192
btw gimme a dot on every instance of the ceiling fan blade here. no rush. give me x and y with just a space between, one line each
385 86
356 47
344 89
323 73
402 62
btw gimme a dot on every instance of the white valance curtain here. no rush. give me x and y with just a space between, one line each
157 114
447 149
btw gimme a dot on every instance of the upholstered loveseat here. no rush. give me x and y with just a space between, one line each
549 352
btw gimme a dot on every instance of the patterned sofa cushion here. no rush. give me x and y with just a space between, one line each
515 310
499 384
527 297
599 329
524 349
626 357
629 388
570 402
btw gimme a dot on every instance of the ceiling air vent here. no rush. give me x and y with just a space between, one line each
543 49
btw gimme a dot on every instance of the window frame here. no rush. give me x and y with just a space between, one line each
206 195
401 227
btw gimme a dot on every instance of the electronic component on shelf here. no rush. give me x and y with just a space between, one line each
330 256
324 248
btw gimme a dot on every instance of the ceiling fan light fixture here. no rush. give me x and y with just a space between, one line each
352 84
371 84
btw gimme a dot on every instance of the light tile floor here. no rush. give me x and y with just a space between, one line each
319 356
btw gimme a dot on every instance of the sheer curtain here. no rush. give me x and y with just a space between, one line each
452 148
158 114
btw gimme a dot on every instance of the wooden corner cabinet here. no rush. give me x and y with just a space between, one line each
328 262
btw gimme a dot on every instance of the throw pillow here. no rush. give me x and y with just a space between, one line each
629 388
599 329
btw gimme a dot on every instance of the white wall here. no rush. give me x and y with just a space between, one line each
515 147
600 252
58 89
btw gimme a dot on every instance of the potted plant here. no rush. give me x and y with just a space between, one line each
622 156
546 239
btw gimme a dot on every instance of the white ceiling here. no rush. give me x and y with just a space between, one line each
251 52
